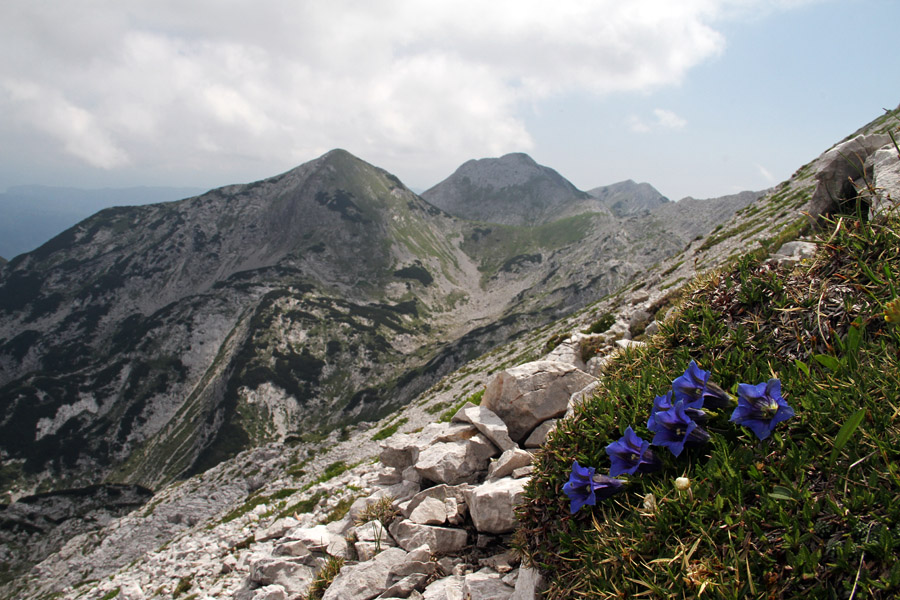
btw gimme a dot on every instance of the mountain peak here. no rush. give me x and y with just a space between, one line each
627 198
511 190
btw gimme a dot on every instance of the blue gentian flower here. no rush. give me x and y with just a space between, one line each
584 487
674 428
693 408
761 407
694 385
631 454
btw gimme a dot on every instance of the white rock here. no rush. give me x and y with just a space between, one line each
580 396
844 162
294 548
277 529
625 344
430 511
270 592
448 588
365 580
529 584
886 174
569 350
399 451
509 461
492 504
488 423
486 585
440 540
527 395
290 573
539 435
455 462
442 492
316 538
523 472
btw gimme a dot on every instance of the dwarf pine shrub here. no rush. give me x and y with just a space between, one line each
812 510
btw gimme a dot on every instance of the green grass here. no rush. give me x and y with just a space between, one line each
320 584
303 506
389 430
474 399
256 500
184 585
602 324
813 511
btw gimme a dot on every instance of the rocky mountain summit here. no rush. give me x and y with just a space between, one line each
414 499
627 198
510 190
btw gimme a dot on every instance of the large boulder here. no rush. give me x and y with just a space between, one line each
399 451
527 395
456 462
885 165
838 168
452 497
492 504
291 574
440 540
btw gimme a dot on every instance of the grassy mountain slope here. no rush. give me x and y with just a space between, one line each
812 510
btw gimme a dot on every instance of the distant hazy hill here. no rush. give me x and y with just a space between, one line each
30 215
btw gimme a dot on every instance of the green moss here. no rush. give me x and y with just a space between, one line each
813 511
110 595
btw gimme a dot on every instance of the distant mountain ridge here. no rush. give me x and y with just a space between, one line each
32 214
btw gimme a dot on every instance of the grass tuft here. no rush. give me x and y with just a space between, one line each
320 584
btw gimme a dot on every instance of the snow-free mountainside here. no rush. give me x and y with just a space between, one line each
322 385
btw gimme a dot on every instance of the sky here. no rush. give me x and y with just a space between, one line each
696 97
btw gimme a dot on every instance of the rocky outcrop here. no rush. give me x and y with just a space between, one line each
842 172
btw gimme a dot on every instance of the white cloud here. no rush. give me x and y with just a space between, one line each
662 119
668 120
81 134
207 84
766 174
